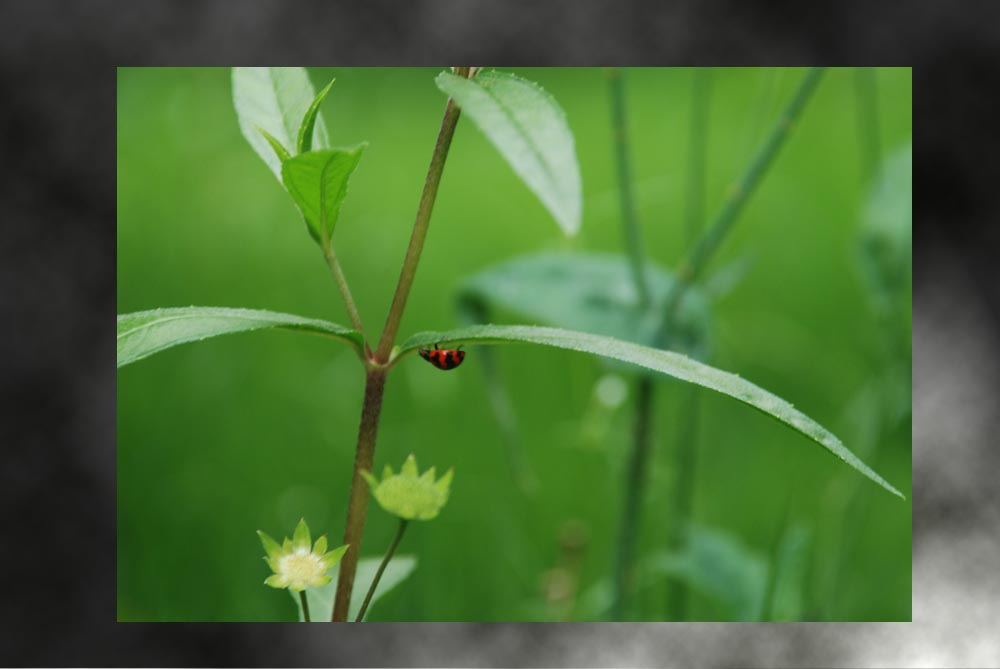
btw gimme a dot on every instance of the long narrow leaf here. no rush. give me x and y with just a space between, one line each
528 127
591 292
667 362
144 333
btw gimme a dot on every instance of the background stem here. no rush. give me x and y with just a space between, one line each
686 274
691 268
633 237
634 486
639 455
305 606
681 512
381 568
357 508
685 445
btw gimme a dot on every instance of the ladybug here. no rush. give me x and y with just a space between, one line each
443 358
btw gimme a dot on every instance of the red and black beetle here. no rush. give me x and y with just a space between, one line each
443 358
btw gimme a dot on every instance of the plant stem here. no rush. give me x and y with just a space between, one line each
692 267
381 568
503 412
687 425
635 484
683 501
633 237
357 508
345 291
774 554
364 457
644 391
686 274
305 606
424 209
473 311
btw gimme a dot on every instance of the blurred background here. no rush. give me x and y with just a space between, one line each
220 438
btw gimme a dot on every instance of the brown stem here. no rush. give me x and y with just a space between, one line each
357 508
375 384
424 209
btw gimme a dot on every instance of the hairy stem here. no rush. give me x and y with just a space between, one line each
381 568
633 237
357 508
424 209
305 606
364 457
345 291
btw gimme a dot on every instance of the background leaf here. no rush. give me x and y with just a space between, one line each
144 333
275 99
321 599
790 565
667 362
591 292
717 564
887 227
528 127
317 181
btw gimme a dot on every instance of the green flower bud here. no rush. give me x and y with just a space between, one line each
408 494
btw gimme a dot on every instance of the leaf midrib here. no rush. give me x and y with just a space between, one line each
176 317
546 167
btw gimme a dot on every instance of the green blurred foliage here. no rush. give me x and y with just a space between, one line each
223 437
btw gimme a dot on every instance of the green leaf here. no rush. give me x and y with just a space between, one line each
717 564
279 150
528 127
317 181
144 333
304 143
410 495
667 362
591 292
276 100
321 599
